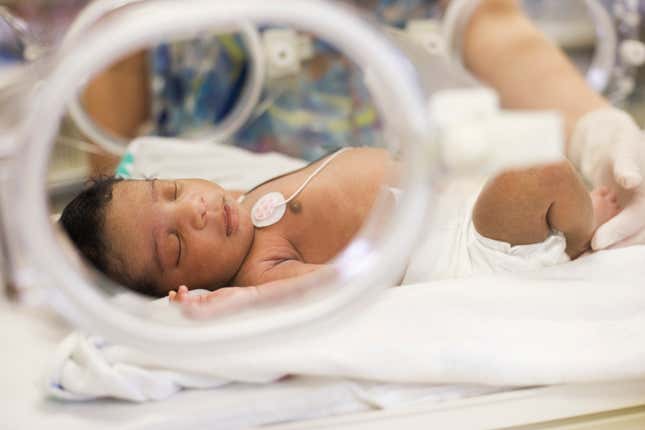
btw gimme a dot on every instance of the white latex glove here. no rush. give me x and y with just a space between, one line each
609 149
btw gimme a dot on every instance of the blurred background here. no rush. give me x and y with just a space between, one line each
30 29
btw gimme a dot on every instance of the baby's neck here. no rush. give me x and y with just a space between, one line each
236 194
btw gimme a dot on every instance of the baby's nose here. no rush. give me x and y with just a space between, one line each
194 212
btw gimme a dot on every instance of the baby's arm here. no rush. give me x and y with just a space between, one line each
522 207
229 300
273 273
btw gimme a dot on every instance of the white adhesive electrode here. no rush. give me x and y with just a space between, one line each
268 210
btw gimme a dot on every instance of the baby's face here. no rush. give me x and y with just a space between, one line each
171 233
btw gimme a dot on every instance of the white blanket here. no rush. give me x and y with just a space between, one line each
493 330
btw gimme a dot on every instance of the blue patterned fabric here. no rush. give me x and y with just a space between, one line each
195 82
324 107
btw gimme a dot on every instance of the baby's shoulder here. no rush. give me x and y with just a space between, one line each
268 250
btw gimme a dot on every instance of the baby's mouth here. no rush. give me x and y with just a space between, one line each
230 219
227 220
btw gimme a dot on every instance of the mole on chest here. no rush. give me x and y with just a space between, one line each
295 206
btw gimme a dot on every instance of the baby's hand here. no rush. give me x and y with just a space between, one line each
225 301
221 302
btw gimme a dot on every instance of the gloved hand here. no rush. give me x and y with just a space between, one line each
609 149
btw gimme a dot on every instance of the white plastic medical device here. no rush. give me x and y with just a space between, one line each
284 50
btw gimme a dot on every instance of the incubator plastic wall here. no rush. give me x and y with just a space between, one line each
286 172
350 90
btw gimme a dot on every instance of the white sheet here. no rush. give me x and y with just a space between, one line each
494 330
30 336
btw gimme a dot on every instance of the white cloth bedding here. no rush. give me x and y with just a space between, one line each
86 368
497 330
229 166
29 337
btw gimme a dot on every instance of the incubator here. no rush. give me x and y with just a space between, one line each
443 129
295 90
435 123
404 118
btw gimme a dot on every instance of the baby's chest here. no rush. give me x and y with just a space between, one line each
321 216
318 222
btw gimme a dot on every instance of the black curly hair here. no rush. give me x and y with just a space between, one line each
83 219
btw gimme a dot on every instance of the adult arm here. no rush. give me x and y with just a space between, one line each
118 100
506 51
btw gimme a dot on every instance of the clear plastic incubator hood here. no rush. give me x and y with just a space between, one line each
435 128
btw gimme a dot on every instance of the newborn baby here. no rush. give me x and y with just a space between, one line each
155 235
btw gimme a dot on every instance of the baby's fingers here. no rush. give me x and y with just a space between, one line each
181 296
182 293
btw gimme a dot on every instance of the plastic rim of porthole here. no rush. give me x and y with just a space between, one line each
365 267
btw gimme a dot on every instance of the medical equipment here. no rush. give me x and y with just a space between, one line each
35 214
408 130
405 116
